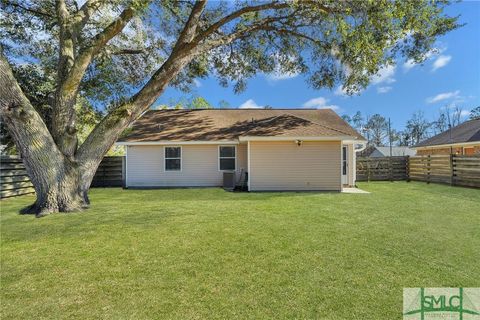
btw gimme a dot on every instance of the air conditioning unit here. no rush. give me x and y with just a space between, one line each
229 180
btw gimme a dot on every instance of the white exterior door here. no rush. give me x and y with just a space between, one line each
344 165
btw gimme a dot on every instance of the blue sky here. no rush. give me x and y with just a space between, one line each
450 76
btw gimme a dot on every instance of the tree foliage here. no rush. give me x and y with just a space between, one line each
377 128
329 41
449 116
418 128
475 113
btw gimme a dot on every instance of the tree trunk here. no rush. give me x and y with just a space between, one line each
58 189
59 182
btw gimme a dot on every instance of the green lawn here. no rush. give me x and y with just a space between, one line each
207 253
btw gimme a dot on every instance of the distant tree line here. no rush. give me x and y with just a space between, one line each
375 128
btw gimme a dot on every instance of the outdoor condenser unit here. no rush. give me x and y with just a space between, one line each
229 180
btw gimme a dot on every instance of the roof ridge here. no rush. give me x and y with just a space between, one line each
322 125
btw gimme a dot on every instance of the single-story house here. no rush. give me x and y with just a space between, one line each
463 139
381 152
276 149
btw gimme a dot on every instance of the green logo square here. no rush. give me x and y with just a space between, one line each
441 303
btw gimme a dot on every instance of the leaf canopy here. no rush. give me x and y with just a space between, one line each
328 41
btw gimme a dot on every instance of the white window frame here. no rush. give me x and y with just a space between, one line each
165 159
218 157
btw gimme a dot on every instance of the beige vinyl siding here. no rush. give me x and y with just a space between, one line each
242 160
315 165
145 166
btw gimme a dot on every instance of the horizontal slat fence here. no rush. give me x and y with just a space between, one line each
382 169
466 171
431 169
451 169
14 180
448 169
110 172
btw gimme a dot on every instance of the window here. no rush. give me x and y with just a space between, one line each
227 158
173 158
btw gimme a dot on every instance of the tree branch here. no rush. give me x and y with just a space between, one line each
65 61
296 34
227 39
63 114
83 15
263 7
31 10
190 29
128 51
85 57
234 15
71 74
107 131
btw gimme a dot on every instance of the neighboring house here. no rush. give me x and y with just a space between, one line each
380 152
463 139
280 149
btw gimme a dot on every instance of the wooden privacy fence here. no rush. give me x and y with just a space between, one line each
451 169
14 180
110 172
382 169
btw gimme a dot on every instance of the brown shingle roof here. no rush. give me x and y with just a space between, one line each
230 124
469 131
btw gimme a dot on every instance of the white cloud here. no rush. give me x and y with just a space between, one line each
315 102
340 92
250 104
197 83
409 64
464 113
277 76
384 75
384 89
441 62
319 103
443 96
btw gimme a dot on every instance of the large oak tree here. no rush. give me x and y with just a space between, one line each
122 55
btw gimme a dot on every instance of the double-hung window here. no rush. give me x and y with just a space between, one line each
173 158
227 158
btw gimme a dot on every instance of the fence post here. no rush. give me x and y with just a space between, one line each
428 169
123 172
407 168
368 169
452 171
390 169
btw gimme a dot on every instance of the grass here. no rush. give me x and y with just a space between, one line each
207 253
